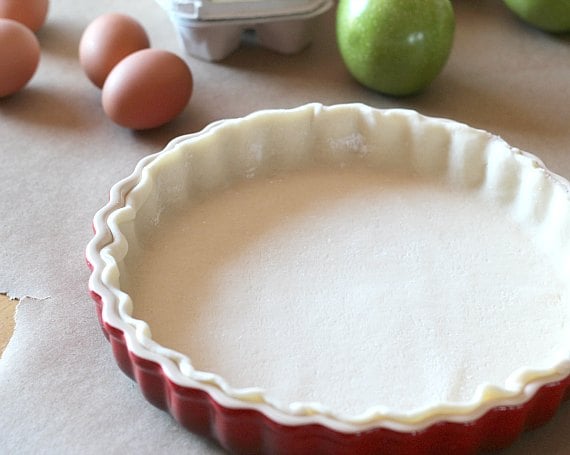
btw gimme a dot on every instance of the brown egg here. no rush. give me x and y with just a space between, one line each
106 41
31 13
19 56
147 89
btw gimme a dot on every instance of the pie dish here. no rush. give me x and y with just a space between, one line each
340 279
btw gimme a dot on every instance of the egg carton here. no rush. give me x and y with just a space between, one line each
213 29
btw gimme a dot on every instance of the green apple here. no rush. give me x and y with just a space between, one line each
548 15
395 47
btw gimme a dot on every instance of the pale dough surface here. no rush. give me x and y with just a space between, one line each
351 288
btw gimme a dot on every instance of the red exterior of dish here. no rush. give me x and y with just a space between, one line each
246 431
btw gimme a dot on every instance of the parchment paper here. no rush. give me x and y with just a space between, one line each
60 390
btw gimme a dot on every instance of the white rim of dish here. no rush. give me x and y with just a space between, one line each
104 281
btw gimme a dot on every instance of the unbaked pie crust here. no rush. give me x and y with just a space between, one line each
349 263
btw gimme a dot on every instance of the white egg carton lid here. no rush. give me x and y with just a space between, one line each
232 10
212 29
